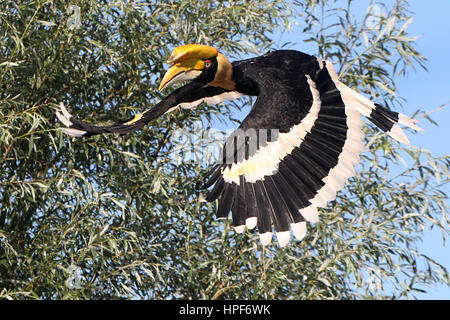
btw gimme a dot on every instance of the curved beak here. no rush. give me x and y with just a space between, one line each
184 70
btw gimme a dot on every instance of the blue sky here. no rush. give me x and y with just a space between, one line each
427 91
424 90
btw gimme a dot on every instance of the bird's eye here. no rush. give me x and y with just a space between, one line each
208 64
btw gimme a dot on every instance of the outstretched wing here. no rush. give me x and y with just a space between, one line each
279 179
188 96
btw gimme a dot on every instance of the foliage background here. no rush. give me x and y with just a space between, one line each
115 217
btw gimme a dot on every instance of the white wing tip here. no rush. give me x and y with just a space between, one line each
397 133
266 238
251 222
407 121
299 229
283 238
239 229
310 213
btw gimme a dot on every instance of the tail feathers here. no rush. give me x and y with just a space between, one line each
383 118
77 128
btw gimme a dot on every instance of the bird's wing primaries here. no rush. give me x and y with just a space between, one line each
282 180
188 96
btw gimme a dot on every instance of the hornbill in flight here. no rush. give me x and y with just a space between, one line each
293 151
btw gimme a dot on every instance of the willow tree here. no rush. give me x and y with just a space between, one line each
118 216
